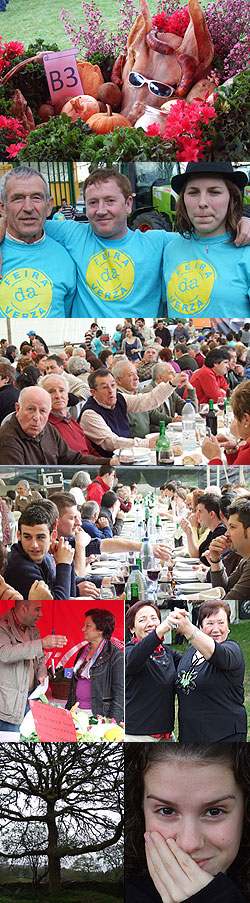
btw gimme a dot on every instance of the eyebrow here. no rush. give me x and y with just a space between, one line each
209 803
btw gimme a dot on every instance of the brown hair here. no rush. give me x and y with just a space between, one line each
234 212
63 500
240 399
166 354
22 361
196 497
39 356
181 493
211 608
104 175
3 558
104 620
7 370
132 612
141 756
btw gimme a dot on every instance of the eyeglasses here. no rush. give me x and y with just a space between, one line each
157 88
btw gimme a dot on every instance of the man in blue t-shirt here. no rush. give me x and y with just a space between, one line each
38 275
118 270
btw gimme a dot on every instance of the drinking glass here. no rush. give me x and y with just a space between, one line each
153 573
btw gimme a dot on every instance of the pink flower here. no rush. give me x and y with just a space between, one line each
153 130
13 48
14 149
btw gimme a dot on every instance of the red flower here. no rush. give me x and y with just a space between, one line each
190 150
13 48
175 24
14 149
160 22
153 130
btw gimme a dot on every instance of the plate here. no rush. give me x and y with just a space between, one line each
192 587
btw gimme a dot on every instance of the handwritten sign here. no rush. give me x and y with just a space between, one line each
53 724
62 75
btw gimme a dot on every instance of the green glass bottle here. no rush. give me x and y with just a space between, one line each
163 445
211 418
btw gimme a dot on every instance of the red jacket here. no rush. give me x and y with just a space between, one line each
72 433
95 490
241 456
208 384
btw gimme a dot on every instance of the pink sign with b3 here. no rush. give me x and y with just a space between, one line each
62 75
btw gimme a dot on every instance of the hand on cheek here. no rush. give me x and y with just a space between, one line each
174 873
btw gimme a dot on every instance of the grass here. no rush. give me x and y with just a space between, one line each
27 20
241 634
73 895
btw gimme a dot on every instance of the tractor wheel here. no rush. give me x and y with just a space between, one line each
151 220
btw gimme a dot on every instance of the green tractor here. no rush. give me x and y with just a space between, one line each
154 200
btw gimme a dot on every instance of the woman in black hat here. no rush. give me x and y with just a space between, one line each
203 268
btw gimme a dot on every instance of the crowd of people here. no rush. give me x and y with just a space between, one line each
80 404
48 544
208 678
61 268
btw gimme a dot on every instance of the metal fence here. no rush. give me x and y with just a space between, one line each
61 177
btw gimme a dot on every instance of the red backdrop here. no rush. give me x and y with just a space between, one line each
66 617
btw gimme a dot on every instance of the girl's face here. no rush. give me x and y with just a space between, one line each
206 200
129 333
200 805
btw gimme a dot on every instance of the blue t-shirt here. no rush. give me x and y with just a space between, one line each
38 280
206 274
114 275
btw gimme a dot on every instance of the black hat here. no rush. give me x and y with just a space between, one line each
217 169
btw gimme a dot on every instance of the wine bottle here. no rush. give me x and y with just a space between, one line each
162 443
211 418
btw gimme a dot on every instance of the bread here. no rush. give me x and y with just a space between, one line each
192 460
178 449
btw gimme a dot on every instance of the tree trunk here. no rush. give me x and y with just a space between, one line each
53 859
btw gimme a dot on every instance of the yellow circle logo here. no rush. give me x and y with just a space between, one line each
25 292
110 275
190 286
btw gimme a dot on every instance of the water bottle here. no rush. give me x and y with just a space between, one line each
151 526
228 413
135 577
140 530
146 553
188 426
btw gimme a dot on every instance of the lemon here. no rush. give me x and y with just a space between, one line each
114 733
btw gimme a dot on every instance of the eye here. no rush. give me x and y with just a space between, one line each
215 811
166 811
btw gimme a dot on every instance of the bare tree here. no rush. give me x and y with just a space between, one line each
65 800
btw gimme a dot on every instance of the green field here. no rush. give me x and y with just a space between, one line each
241 634
27 20
67 895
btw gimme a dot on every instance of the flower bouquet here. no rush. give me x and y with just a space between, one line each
204 117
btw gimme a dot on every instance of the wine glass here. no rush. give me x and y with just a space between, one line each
118 583
153 572
165 456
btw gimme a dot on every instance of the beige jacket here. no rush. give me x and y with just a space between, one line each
15 655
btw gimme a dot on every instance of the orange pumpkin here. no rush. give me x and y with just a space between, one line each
81 107
102 123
